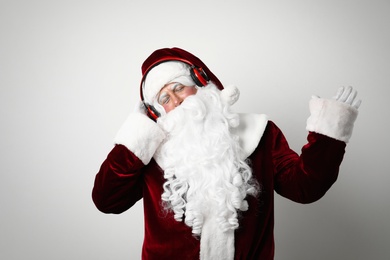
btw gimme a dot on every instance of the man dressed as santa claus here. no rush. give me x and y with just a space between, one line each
206 174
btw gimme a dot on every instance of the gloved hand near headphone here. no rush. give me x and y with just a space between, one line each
334 117
140 134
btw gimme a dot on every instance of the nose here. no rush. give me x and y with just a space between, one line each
177 100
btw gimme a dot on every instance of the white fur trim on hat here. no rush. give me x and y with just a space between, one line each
331 118
162 74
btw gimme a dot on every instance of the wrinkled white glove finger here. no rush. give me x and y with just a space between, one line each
315 96
356 103
351 97
345 94
339 93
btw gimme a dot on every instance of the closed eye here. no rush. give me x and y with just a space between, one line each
163 100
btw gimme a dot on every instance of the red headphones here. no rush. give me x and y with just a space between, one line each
198 75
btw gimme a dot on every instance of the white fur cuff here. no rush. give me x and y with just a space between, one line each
140 135
331 118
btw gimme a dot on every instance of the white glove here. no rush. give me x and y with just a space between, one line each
334 117
348 96
140 134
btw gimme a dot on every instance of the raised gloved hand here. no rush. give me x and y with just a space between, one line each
348 96
140 134
334 117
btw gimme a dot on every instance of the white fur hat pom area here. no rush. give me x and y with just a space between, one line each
230 94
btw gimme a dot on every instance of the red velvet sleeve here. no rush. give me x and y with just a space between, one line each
305 178
118 184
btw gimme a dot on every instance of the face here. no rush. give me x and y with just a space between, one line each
173 94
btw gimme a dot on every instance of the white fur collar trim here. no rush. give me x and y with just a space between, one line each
250 131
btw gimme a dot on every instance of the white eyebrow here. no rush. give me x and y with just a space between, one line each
161 96
175 85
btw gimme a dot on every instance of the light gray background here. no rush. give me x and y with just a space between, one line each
69 75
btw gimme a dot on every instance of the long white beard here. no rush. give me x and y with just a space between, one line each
205 176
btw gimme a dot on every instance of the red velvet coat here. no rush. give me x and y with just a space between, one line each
123 180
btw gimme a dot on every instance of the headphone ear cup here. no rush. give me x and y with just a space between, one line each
199 76
152 112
